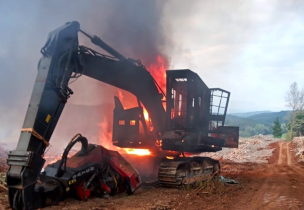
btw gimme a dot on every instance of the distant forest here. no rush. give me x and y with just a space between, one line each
255 123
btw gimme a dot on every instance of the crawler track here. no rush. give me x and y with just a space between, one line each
183 171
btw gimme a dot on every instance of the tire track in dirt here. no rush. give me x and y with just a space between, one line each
288 154
280 154
279 185
257 200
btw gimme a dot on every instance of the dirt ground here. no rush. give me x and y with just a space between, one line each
279 184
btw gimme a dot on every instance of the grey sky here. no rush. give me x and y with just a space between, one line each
252 48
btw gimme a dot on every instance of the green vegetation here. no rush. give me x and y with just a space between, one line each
277 129
256 124
295 100
288 136
298 125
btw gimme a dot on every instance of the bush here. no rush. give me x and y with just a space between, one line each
288 136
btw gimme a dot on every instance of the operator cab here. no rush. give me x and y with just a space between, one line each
195 117
187 101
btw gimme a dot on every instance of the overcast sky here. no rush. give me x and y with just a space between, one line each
254 49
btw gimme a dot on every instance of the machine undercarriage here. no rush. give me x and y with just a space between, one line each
185 171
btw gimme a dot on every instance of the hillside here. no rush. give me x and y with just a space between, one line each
248 127
256 124
248 114
268 118
239 121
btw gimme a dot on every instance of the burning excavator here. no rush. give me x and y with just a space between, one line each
188 120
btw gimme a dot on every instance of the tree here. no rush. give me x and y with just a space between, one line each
250 130
295 100
299 123
277 129
261 129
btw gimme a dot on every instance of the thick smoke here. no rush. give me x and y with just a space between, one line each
133 28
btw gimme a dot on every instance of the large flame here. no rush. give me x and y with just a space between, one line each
105 136
158 71
132 151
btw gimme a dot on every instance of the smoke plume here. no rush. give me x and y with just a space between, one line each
133 28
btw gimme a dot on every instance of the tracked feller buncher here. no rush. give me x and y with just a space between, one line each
193 122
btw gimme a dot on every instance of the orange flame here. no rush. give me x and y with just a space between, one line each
140 152
158 71
146 115
105 136
170 157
